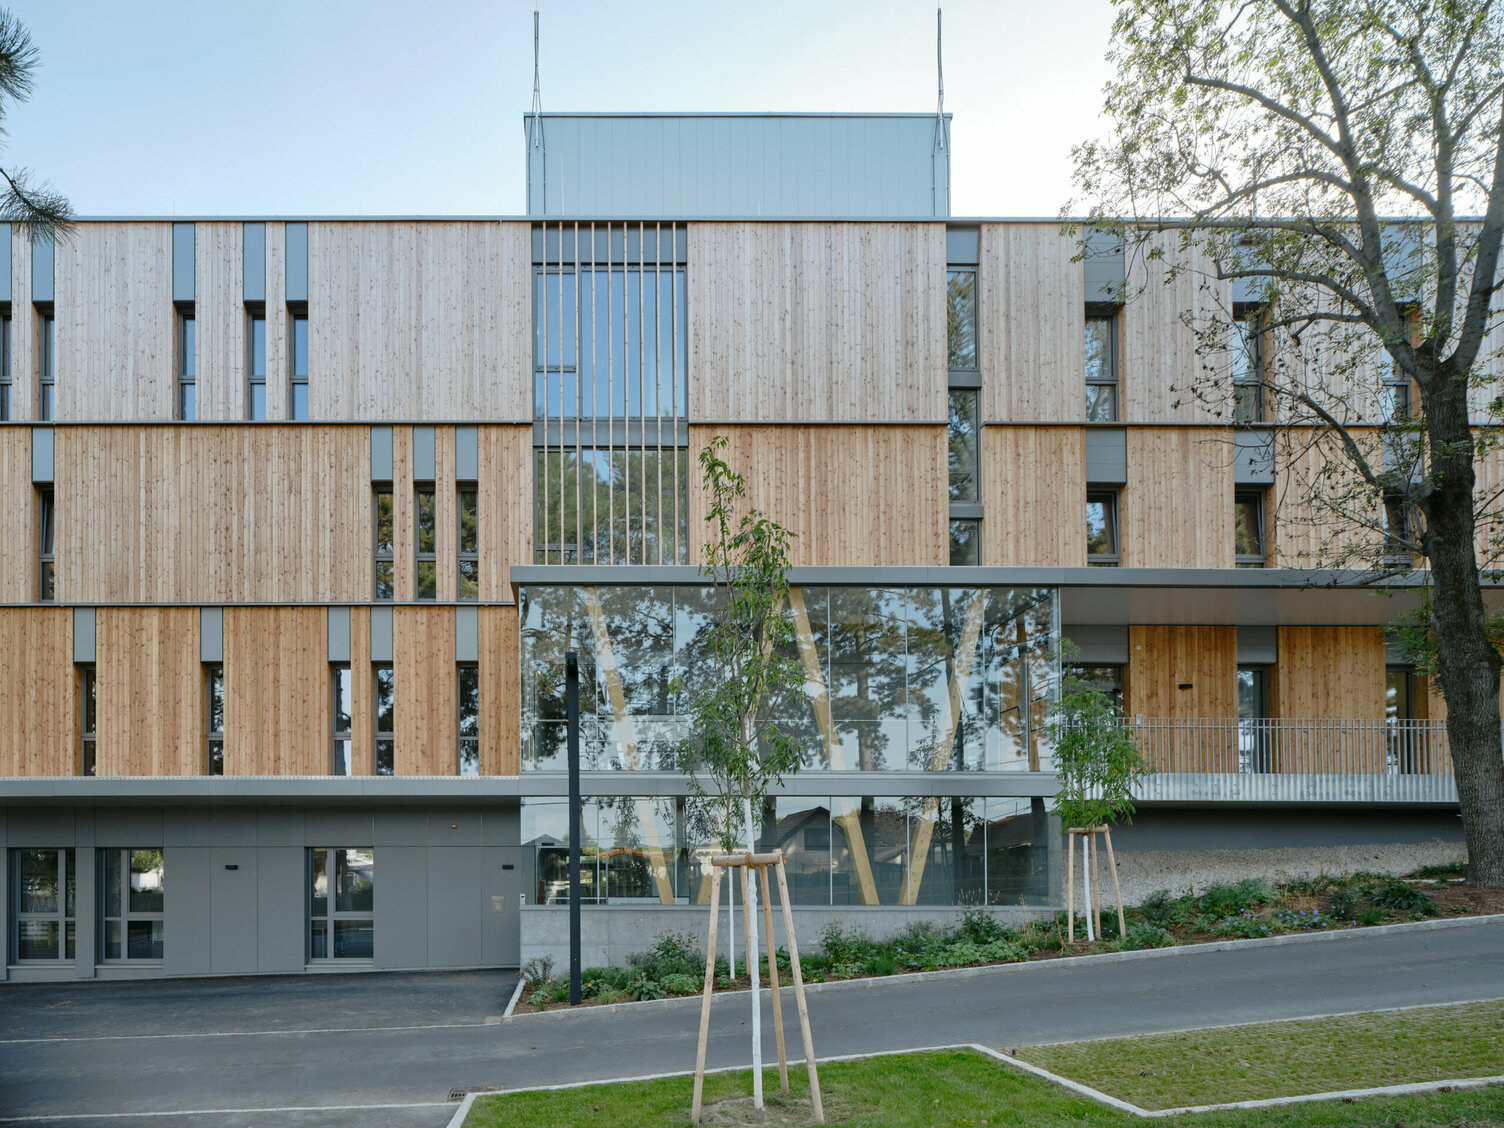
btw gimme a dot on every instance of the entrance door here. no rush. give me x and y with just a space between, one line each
1254 752
502 933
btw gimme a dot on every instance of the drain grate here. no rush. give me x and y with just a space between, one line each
460 1092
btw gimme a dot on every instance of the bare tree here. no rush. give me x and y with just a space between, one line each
23 199
1337 165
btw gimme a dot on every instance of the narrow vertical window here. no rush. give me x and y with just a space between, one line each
214 723
469 542
1397 531
1102 547
469 726
4 367
386 714
1248 367
298 399
966 541
46 340
385 534
187 367
87 717
134 904
339 695
1396 389
45 905
341 903
256 367
963 439
1248 530
46 524
961 317
1101 370
426 528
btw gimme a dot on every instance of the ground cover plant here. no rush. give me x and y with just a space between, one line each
953 1088
1251 909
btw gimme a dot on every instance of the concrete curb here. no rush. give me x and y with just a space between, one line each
952 974
511 1006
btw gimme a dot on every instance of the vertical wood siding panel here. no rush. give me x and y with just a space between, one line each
277 707
1162 658
23 340
1031 317
1034 490
362 695
506 507
1177 509
1158 362
278 362
38 720
447 515
404 546
1335 672
1312 477
500 692
427 709
17 517
219 310
150 707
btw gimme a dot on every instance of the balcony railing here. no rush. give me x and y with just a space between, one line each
1294 760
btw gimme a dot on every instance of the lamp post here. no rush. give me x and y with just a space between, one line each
572 712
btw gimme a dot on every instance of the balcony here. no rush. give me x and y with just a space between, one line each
1293 760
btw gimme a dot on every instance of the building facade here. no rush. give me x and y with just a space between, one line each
298 518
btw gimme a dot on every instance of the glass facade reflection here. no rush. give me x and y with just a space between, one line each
917 679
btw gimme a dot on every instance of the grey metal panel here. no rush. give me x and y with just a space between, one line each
182 262
967 510
423 455
339 828
86 902
34 827
455 906
42 252
297 262
1099 645
501 826
211 634
1103 267
723 165
129 826
1106 455
41 454
5 261
187 908
276 826
962 245
401 904
281 908
1393 654
1253 458
235 827
1258 646
232 910
339 634
381 454
253 263
455 826
192 826
616 432
466 454
501 888
467 634
381 634
83 634
401 827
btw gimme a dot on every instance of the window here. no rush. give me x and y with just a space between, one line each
469 542
966 541
256 367
961 317
963 444
1395 390
133 896
426 521
1247 360
297 400
1255 749
1397 532
87 717
469 728
599 506
385 533
187 368
214 697
341 903
1103 679
46 529
1409 751
1102 547
1248 530
1101 370
4 367
339 696
386 712
46 340
45 884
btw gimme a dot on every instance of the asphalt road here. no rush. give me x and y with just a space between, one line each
384 1050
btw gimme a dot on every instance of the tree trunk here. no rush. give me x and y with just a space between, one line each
1468 663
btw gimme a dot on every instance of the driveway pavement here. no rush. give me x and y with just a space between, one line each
385 1049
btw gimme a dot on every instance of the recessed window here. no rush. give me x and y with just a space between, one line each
426 525
87 719
1395 389
385 534
1103 549
963 442
341 903
1247 361
46 343
469 726
339 695
45 905
5 380
966 541
1101 370
961 318
134 900
256 368
187 367
386 718
599 506
46 531
214 738
469 541
1248 530
1398 550
297 401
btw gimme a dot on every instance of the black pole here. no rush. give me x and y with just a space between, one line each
572 711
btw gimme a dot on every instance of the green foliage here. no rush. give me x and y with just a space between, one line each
1229 900
1405 898
981 927
39 207
672 953
1144 935
682 984
1162 910
538 970
644 989
1244 926
1441 872
1096 760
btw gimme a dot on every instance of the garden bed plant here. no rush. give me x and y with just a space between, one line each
675 965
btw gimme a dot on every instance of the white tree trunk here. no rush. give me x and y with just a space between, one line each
750 908
731 925
1091 930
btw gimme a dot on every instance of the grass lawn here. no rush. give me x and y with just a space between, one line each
1280 1059
950 1089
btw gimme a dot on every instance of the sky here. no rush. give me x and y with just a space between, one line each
328 107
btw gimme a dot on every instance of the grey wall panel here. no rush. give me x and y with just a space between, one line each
1103 266
467 634
297 262
42 252
128 826
402 906
381 634
423 454
253 263
182 262
41 454
500 905
83 634
339 634
381 454
5 237
41 827
1253 458
86 914
1258 645
234 826
211 634
338 828
1099 645
401 827
280 826
502 826
963 245
1106 455
188 826
232 923
455 906
280 908
458 826
187 910
466 454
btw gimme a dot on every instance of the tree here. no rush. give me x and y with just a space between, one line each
1096 761
34 204
1339 163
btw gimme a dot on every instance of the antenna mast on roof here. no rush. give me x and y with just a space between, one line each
940 151
537 150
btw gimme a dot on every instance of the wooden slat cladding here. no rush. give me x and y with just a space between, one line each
1158 363
500 692
278 362
213 515
219 313
39 702
115 322
505 507
362 695
1333 672
427 717
278 718
853 495
1321 518
1163 658
1177 509
18 508
1488 494
1031 324
23 338
149 696
1034 493
816 321
419 320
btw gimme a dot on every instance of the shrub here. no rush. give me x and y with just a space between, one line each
1145 935
612 995
847 970
1311 886
981 927
1439 873
1160 910
1343 903
672 953
677 984
1231 900
1405 898
1244 926
1298 920
1370 916
644 988
881 961
537 970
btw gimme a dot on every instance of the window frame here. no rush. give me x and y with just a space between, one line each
1396 551
187 366
255 380
122 857
88 719
425 561
973 444
296 379
1260 501
383 738
331 913
341 736
214 739
65 915
467 558
974 270
384 591
46 366
5 367
462 671
46 543
1113 378
975 526
1250 324
1113 518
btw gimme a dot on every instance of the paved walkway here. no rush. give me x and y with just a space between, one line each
267 1046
